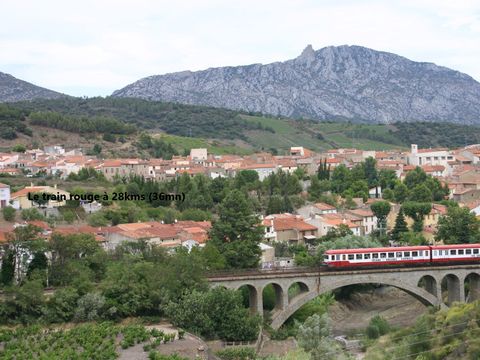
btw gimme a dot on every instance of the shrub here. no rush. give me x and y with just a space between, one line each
377 327
90 307
8 213
237 353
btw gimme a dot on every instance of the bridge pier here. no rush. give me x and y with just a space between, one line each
456 292
258 301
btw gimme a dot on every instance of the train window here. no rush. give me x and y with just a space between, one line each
337 257
460 252
333 257
475 251
391 255
440 252
325 257
375 256
367 256
468 251
399 254
453 252
414 253
359 256
406 253
420 253
344 257
350 256
383 255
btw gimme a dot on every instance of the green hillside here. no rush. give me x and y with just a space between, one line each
220 130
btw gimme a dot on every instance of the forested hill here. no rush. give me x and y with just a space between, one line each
254 131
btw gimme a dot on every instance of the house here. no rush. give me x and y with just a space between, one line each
326 222
20 199
4 195
320 208
198 155
292 228
368 220
438 156
157 233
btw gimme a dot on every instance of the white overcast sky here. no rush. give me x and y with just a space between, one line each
93 47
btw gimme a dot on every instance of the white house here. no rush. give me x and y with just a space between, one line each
4 195
439 156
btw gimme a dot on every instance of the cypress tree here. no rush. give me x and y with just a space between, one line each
400 226
8 269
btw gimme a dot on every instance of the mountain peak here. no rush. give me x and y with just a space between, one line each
307 55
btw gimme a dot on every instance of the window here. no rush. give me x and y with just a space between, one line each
344 257
358 256
337 257
420 253
391 255
367 256
443 157
406 253
475 251
333 257
440 252
375 256
414 253
453 252
468 251
461 252
399 254
350 257
325 257
383 255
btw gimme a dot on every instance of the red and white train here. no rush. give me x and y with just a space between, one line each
402 256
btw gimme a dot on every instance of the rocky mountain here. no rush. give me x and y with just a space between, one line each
350 82
13 89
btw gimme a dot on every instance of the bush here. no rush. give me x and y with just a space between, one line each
8 213
377 327
237 353
32 214
90 307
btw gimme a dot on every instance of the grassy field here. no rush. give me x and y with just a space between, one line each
320 136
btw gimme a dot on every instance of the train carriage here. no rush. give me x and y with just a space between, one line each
456 253
377 256
402 256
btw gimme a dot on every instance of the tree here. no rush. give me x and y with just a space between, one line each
237 233
400 227
459 226
415 177
381 209
215 313
8 213
400 193
420 193
315 337
341 179
371 174
417 211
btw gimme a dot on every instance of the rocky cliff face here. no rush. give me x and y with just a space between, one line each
350 82
13 89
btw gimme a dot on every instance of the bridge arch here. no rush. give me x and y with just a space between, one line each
253 296
472 287
297 288
279 295
419 293
453 286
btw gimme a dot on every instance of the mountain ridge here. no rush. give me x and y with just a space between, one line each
350 82
13 89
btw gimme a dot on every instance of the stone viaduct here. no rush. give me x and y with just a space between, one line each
424 283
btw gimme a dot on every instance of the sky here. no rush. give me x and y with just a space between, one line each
93 47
